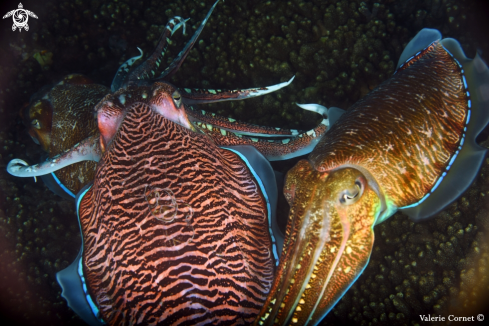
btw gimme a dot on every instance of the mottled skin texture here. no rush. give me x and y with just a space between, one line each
61 119
387 151
405 131
230 124
270 148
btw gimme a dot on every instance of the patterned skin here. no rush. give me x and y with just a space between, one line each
391 138
174 228
272 149
62 117
329 237
407 145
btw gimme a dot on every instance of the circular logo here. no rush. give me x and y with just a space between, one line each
20 17
480 317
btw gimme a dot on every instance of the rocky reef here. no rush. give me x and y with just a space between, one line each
338 50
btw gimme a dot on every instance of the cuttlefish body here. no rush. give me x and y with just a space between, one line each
175 230
409 145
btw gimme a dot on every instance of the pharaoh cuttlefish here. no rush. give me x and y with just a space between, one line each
177 226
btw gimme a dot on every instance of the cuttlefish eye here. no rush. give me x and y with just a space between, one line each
353 194
177 99
36 124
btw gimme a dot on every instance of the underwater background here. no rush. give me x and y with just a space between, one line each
338 51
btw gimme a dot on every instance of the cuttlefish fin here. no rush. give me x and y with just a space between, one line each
72 281
56 186
264 175
87 150
469 157
332 114
72 290
327 245
424 38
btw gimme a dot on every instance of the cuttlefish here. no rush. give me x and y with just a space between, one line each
178 225
62 118
407 146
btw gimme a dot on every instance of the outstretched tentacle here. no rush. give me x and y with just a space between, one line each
202 96
275 144
177 62
147 70
123 71
235 126
273 150
86 150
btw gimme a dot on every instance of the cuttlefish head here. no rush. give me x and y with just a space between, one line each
37 117
328 242
162 97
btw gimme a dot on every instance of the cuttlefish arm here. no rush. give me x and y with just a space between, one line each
239 127
272 149
328 242
202 96
86 150
274 143
177 62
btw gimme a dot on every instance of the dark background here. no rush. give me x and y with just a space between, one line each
338 51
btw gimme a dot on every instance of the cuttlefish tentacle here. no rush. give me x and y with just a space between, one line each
236 126
409 144
272 149
177 62
148 69
125 76
86 150
123 71
202 96
274 143
240 128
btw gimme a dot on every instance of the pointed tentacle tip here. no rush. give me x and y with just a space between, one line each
322 110
276 87
180 24
18 168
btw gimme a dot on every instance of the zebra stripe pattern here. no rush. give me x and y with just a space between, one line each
175 229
